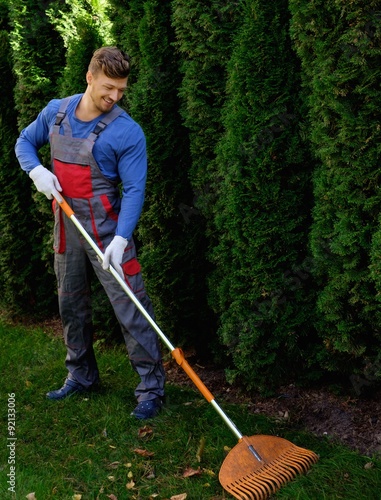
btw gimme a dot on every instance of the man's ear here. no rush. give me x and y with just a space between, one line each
89 77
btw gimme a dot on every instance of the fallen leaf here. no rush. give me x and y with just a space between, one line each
189 472
31 496
226 450
209 472
200 449
111 478
104 433
113 447
182 496
130 485
113 465
130 475
369 465
28 383
145 431
144 453
112 497
77 497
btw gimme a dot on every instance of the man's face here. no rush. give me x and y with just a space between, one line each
104 91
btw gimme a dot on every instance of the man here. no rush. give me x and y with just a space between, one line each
95 147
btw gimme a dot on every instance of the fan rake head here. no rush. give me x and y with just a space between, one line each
247 478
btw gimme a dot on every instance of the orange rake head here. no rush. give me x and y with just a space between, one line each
260 465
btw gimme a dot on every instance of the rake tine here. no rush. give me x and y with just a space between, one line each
263 485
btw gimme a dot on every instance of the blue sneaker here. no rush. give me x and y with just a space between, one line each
147 409
69 388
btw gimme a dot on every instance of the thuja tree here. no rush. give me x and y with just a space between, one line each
167 251
37 58
339 44
262 278
203 40
16 261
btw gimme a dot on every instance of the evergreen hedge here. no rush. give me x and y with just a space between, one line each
339 46
262 277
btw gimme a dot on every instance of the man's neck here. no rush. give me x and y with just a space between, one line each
86 111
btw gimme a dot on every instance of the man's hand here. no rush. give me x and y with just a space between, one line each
114 254
45 181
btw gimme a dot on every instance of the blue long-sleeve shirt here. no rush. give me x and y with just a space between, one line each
120 152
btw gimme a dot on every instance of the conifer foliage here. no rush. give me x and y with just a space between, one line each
261 278
339 44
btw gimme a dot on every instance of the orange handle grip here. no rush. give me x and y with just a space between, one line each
178 355
65 206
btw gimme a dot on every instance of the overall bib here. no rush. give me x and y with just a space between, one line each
96 203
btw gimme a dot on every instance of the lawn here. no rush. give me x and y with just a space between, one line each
88 447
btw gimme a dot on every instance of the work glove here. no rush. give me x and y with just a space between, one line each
114 254
45 181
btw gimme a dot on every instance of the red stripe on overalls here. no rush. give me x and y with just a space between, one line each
108 207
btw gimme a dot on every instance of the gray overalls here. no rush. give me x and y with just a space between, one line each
96 203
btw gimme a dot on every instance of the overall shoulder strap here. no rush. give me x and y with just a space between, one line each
106 120
60 118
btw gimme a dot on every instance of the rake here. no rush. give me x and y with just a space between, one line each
258 465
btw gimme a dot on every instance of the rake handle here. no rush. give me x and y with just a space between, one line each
178 355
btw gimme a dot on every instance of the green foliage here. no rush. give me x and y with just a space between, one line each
24 280
203 41
262 278
339 46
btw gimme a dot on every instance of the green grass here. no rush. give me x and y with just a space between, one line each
85 445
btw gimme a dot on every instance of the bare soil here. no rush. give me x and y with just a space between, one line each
353 422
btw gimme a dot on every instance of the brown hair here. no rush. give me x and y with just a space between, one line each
112 61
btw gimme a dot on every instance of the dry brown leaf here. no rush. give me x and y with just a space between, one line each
112 497
77 497
189 472
145 431
369 465
31 496
130 485
144 453
113 465
182 496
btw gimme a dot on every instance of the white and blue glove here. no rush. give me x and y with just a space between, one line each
114 254
45 181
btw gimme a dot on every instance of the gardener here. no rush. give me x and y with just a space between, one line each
95 147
